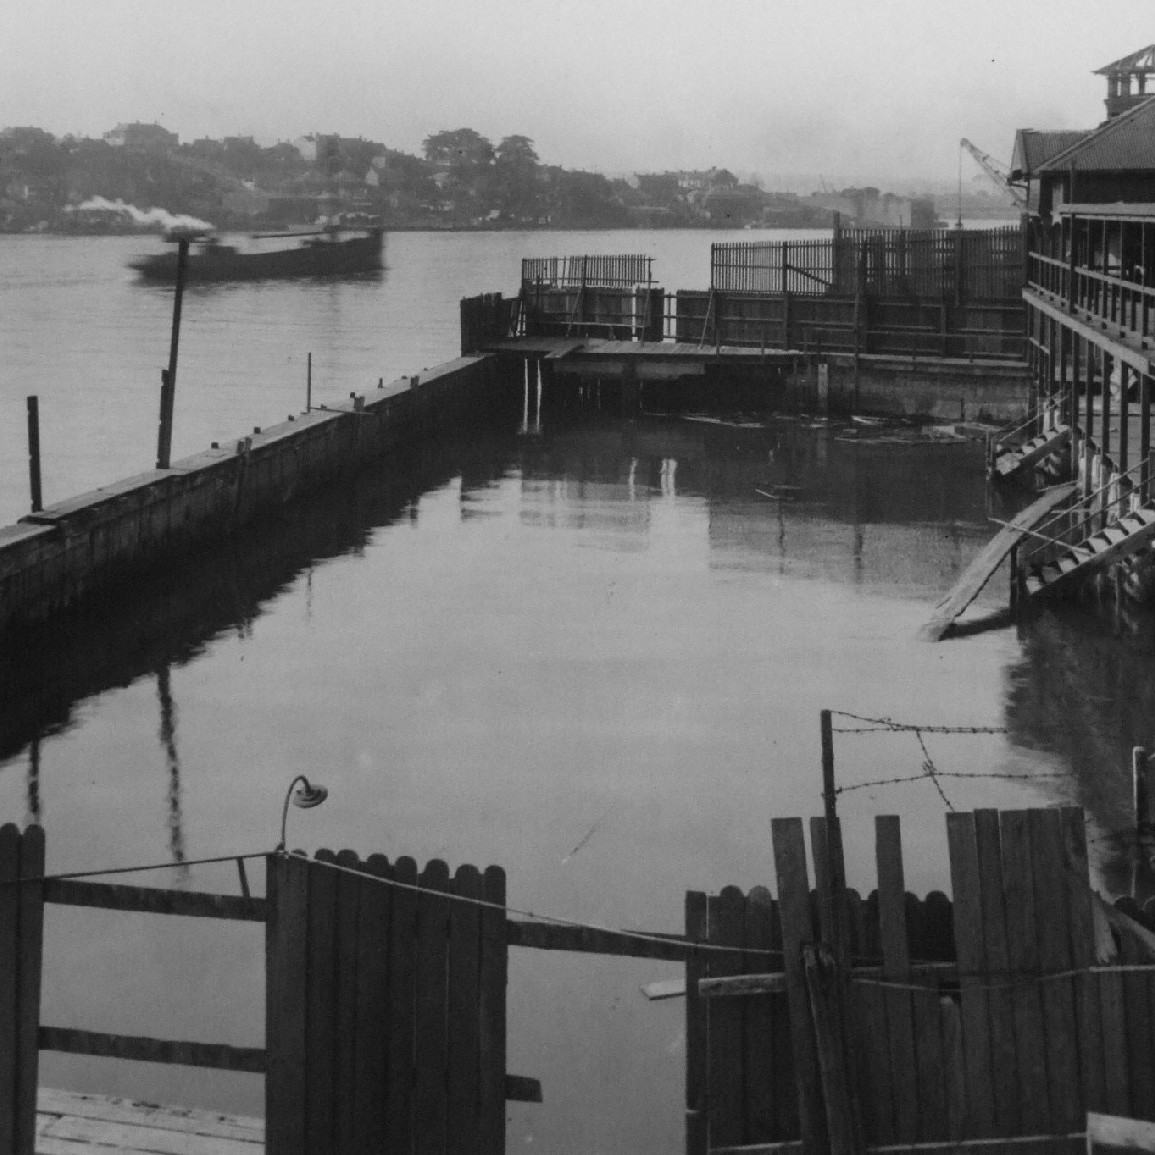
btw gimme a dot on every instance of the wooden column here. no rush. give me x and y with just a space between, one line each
1145 433
34 453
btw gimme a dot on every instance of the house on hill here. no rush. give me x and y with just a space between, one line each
146 137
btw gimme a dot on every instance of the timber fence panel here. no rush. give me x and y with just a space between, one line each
726 921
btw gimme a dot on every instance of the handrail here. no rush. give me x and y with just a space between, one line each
1076 531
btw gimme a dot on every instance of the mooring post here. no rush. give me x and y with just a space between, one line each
835 865
34 452
168 376
309 383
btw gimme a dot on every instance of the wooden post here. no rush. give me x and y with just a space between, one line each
21 954
168 376
1145 433
829 1029
286 1004
34 452
696 1118
836 867
1143 793
308 382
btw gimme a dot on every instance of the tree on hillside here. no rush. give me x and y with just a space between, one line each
463 160
515 177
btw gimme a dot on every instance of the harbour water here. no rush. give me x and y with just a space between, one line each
593 653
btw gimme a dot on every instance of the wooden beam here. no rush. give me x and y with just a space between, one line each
593 940
193 904
219 1056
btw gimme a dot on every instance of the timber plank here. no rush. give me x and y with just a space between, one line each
29 961
287 994
696 1024
9 945
464 1060
191 904
432 1000
402 990
322 1016
798 932
1137 1005
758 1057
1075 878
345 1002
493 978
969 950
51 1102
1004 1050
1023 955
982 567
1058 995
785 1095
219 1056
899 1006
370 1062
99 1134
726 914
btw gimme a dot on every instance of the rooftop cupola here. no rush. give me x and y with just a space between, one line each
1129 80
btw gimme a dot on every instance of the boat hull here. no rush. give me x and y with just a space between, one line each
325 258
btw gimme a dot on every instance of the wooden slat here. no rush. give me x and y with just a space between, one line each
697 1132
321 1027
29 961
786 1118
81 1136
896 968
797 932
347 1027
1137 1008
286 987
370 1069
220 1056
430 1044
726 912
1023 956
971 955
9 947
402 988
494 972
758 1034
1004 1051
1067 1107
1075 878
192 904
522 1089
954 1064
464 1059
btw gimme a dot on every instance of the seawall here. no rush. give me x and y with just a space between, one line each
55 559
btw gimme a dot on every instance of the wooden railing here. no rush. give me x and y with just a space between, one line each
612 271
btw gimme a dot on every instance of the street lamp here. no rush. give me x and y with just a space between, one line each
306 796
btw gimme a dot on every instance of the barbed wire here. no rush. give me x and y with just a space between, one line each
889 725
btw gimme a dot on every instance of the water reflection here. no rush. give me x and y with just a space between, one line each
1083 692
172 764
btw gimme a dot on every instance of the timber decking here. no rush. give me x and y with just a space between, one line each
981 569
70 1123
603 348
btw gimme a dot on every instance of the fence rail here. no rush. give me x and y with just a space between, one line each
613 271
953 264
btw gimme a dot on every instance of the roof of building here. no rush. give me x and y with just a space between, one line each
1141 61
1034 147
1126 143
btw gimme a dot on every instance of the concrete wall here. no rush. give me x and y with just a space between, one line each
77 548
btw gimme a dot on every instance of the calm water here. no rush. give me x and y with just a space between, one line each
525 637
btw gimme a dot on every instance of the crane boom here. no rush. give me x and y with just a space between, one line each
996 172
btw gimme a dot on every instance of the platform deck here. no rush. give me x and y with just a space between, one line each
70 1123
573 347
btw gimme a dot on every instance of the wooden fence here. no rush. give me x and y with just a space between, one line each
956 265
888 1022
385 1000
609 271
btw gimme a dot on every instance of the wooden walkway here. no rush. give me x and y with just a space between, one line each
980 571
68 1123
598 348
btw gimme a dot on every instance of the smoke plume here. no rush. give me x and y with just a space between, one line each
145 217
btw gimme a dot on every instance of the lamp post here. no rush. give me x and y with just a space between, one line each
306 795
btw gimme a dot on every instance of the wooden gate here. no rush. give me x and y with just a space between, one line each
385 1000
890 1022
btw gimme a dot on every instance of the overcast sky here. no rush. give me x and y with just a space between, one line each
866 90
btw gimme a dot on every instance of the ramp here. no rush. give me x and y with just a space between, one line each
979 572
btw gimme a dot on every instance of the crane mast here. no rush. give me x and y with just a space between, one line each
996 172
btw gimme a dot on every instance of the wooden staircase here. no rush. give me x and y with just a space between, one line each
1011 461
1113 543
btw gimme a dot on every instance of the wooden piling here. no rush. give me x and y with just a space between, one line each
308 382
34 452
168 376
